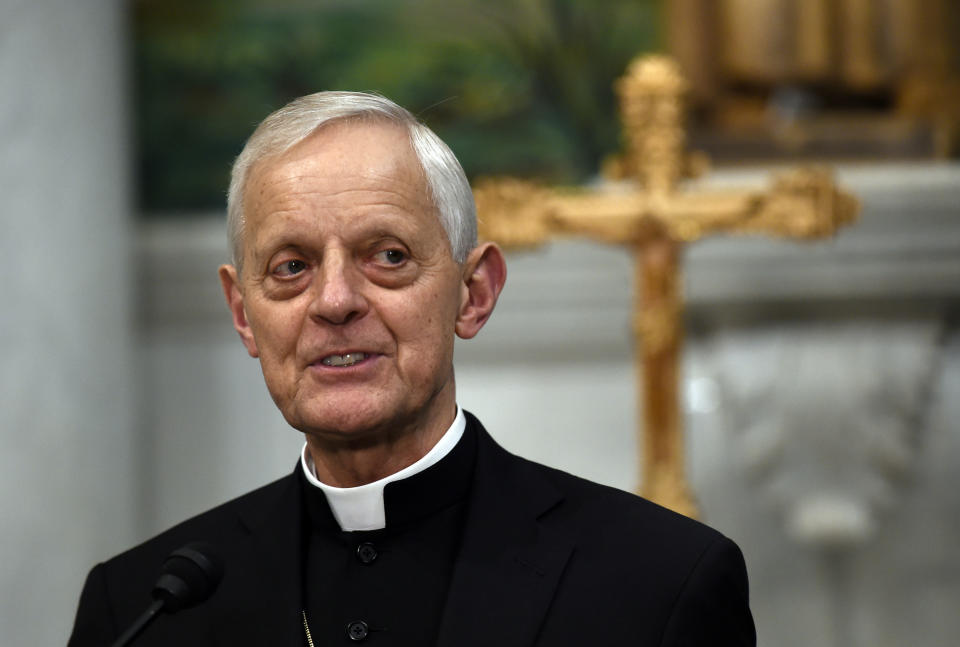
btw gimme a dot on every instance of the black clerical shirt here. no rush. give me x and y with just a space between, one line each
388 586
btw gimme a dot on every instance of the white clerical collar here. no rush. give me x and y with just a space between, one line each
362 507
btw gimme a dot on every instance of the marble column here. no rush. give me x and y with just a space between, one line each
67 495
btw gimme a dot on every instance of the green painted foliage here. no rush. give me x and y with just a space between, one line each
519 87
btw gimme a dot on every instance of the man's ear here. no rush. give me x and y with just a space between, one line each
484 274
230 281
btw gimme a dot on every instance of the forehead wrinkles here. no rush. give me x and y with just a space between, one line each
294 193
371 149
292 185
333 206
362 164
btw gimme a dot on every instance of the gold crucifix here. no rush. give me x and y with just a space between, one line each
647 214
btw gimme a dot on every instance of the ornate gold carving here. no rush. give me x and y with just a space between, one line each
805 204
658 306
512 212
652 110
656 221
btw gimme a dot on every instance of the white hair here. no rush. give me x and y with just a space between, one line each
283 129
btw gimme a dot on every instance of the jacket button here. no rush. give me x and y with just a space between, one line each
366 552
357 630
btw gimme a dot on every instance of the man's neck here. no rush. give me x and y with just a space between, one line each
363 507
351 464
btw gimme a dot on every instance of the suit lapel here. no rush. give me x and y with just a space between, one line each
267 598
509 564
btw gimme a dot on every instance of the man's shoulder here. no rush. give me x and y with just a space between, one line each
680 580
628 553
218 525
598 514
117 590
601 509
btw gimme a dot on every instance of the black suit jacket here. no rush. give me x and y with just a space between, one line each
547 559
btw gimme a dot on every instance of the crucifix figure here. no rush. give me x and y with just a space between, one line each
646 213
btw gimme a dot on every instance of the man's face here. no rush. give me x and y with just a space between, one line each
349 294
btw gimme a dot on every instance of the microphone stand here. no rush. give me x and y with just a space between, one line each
139 624
190 575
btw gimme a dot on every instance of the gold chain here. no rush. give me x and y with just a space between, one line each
306 628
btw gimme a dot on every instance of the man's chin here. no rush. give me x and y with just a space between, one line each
346 424
369 416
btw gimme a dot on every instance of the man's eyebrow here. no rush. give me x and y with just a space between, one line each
384 232
386 222
271 246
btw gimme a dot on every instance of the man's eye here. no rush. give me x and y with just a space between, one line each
391 256
290 268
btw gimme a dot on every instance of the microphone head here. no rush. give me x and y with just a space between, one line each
190 575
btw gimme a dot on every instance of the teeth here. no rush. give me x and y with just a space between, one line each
343 360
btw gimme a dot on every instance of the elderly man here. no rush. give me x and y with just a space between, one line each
355 262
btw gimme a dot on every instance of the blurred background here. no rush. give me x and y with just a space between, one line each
821 381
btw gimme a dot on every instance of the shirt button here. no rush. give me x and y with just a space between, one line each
366 552
358 630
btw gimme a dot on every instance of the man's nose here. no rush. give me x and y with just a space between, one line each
337 287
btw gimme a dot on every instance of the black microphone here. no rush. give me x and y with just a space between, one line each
190 575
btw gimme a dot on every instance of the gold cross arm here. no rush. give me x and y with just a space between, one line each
801 204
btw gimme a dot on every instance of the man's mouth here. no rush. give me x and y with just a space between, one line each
349 359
